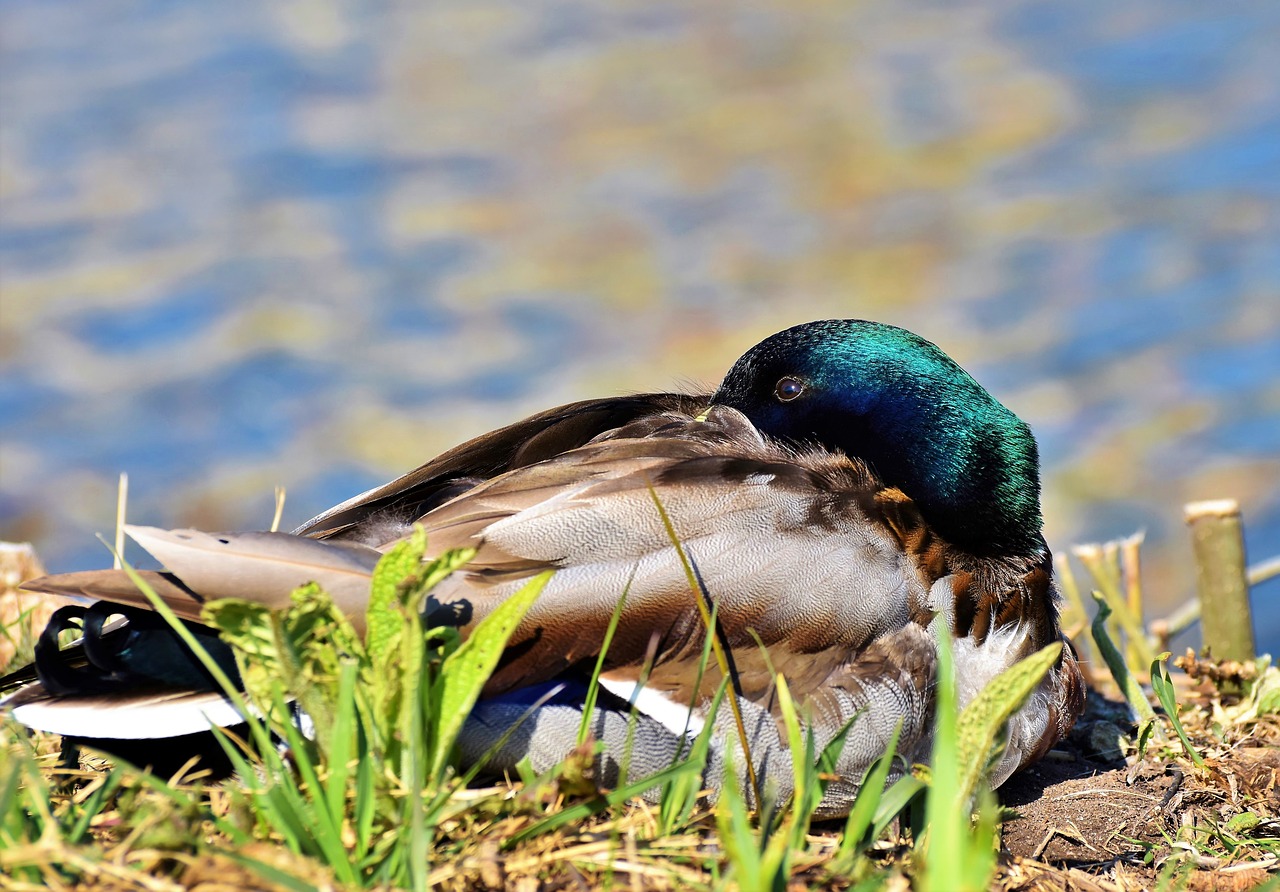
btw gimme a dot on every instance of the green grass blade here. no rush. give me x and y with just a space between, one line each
589 705
418 727
680 796
955 860
870 795
478 766
465 671
342 739
944 804
807 790
90 807
701 598
229 689
899 795
1115 662
271 804
801 749
1162 684
741 845
982 720
597 804
272 874
366 804
311 806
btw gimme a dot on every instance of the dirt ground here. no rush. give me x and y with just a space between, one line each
1086 819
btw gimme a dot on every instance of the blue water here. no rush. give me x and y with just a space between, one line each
243 245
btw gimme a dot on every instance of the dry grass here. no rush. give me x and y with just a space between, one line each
1092 816
21 612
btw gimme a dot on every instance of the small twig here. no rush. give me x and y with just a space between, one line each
1048 838
1263 570
1103 791
275 520
1188 614
1160 633
1265 864
1174 787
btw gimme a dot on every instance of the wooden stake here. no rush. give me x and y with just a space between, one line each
1217 534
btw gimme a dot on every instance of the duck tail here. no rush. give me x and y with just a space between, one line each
128 676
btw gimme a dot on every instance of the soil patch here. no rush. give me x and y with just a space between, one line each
1084 818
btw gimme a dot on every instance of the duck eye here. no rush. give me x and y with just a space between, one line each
788 388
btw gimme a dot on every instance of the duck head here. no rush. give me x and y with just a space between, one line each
894 400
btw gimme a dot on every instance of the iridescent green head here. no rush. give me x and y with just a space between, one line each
895 400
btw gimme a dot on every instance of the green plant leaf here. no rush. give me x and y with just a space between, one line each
593 688
899 795
384 616
869 796
947 809
741 844
465 671
1162 684
680 795
982 720
300 647
958 859
1115 662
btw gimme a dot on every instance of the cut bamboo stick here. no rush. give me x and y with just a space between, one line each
1217 535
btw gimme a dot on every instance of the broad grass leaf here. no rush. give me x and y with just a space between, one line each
1162 685
869 796
384 617
981 722
1115 662
466 670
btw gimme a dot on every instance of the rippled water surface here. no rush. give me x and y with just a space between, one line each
245 244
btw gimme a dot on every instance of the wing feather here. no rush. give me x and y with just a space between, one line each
115 585
789 555
263 567
394 506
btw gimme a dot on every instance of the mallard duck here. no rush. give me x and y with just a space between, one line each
847 483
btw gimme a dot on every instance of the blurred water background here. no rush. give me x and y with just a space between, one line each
304 243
